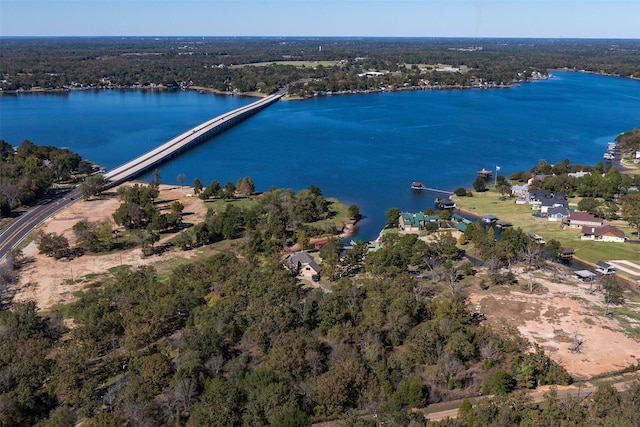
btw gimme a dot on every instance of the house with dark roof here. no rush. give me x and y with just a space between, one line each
605 233
577 219
303 264
542 200
489 219
605 268
557 213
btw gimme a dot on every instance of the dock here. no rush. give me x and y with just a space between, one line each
422 187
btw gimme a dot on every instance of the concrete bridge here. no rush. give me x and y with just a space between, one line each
186 140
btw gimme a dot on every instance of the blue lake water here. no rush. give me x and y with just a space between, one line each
363 149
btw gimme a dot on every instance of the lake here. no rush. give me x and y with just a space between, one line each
364 149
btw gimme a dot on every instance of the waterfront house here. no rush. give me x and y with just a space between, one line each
566 254
303 264
605 233
577 219
445 203
538 239
605 268
586 275
414 222
489 219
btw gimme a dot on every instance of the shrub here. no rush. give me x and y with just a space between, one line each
499 382
460 191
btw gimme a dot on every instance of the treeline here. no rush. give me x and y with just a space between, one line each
27 173
216 63
223 341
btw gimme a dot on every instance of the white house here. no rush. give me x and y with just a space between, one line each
606 233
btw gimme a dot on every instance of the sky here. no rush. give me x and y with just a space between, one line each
366 18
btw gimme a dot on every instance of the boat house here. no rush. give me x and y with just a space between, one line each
605 268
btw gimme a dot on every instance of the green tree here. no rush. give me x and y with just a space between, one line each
354 212
245 187
392 215
197 186
613 294
498 382
480 184
53 245
630 210
92 186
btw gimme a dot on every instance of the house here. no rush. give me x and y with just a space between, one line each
489 219
520 190
577 219
555 201
586 275
415 221
557 213
303 264
606 233
578 174
445 203
605 268
538 239
566 253
543 200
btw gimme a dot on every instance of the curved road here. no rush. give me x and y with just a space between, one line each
21 226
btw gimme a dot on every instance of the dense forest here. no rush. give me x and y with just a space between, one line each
28 172
311 66
236 339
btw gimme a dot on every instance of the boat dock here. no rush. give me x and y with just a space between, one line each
422 187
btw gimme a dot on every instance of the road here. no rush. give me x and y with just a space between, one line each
564 393
21 226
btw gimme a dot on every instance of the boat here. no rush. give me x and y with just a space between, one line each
418 186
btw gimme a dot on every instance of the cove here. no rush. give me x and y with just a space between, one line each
364 149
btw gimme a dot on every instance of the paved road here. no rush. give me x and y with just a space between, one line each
28 221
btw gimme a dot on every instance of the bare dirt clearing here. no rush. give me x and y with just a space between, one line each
50 282
555 315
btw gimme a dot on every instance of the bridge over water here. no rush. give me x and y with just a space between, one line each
186 140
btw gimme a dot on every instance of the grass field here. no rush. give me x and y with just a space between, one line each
490 202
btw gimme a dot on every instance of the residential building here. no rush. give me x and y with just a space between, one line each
303 264
605 233
577 219
605 268
415 221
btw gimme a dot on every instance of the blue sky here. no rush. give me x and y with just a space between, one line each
397 18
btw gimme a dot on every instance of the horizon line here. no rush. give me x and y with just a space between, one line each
311 37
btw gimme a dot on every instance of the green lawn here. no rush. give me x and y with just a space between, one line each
490 202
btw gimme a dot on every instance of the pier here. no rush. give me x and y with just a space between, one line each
205 131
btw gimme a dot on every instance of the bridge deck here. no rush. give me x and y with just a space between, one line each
153 158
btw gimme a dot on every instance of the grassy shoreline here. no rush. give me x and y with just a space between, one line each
587 251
